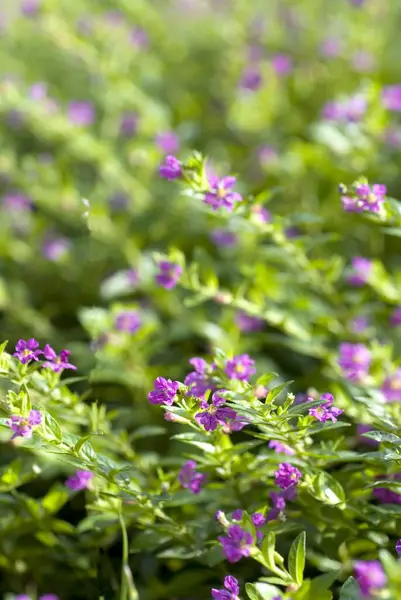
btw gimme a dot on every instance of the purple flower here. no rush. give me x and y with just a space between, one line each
348 111
398 547
57 363
222 237
22 426
365 199
331 47
171 169
215 413
248 323
237 543
287 476
370 576
79 481
27 350
361 428
128 124
139 38
395 318
49 597
355 361
363 61
220 194
235 424
81 113
169 274
258 519
251 78
168 142
261 213
199 381
326 411
119 201
282 64
385 496
238 514
230 593
361 268
16 202
281 448
267 155
127 321
190 478
165 391
391 387
392 137
279 504
55 248
240 367
38 91
30 8
359 324
391 97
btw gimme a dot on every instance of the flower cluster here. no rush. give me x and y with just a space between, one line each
165 391
23 426
236 544
79 481
190 479
287 476
370 576
27 350
326 411
215 413
230 592
354 360
363 198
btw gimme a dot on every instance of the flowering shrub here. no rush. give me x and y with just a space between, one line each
200 395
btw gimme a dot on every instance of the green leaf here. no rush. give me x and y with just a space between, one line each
276 391
55 499
267 549
296 558
3 347
350 590
252 592
83 440
328 489
53 427
383 436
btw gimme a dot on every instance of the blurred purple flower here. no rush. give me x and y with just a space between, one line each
199 381
55 248
38 91
238 514
281 448
267 155
370 576
169 274
282 64
30 8
127 321
258 519
235 424
22 426
365 198
28 350
251 78
350 110
171 168
362 428
224 238
119 201
363 61
391 387
385 496
331 47
359 324
361 268
79 481
57 363
128 124
190 478
287 476
139 38
391 97
237 543
168 142
240 367
165 391
16 202
81 113
261 213
248 323
215 413
220 194
354 360
398 547
395 318
230 593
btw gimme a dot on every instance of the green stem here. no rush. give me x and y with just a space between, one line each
124 588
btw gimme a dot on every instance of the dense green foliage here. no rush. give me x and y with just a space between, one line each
243 87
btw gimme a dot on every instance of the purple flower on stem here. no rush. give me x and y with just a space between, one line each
223 237
27 350
57 363
22 426
370 576
220 194
55 248
79 481
395 318
230 593
287 476
279 504
165 391
190 478
171 169
282 64
238 514
199 381
215 413
391 387
365 199
281 448
127 321
398 547
128 124
81 113
240 367
258 519
355 361
361 270
326 411
169 274
248 323
168 142
391 97
236 544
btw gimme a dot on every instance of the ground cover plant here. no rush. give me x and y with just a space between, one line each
200 275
